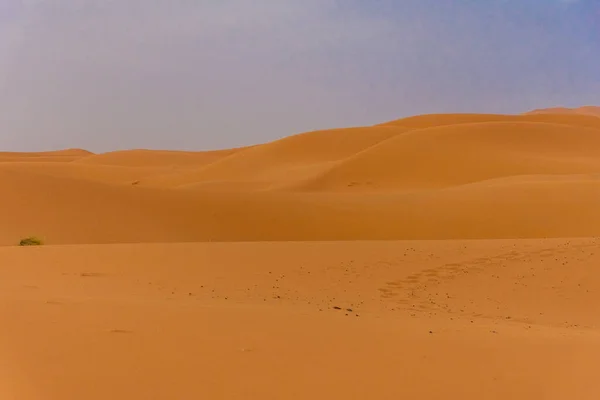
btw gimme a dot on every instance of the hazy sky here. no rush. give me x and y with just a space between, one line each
204 74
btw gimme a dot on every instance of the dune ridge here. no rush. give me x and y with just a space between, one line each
51 153
45 156
153 158
583 110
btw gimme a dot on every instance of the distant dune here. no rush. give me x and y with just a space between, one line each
45 156
154 158
585 110
446 176
57 153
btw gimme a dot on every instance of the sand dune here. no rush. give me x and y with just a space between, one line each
45 156
87 212
95 173
310 266
291 161
403 180
55 153
585 110
153 158
451 155
291 158
437 120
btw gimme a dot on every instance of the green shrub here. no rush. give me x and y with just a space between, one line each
31 241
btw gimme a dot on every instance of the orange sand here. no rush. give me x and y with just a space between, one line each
129 300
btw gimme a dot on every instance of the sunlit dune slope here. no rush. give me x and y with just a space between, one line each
387 154
452 155
291 158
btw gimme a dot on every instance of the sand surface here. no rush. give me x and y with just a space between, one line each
423 177
437 256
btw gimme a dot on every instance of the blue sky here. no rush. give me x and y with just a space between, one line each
205 74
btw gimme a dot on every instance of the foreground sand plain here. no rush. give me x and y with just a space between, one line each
326 276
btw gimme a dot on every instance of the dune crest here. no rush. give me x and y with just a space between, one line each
45 156
584 110
154 158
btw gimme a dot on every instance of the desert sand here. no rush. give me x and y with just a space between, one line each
444 256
